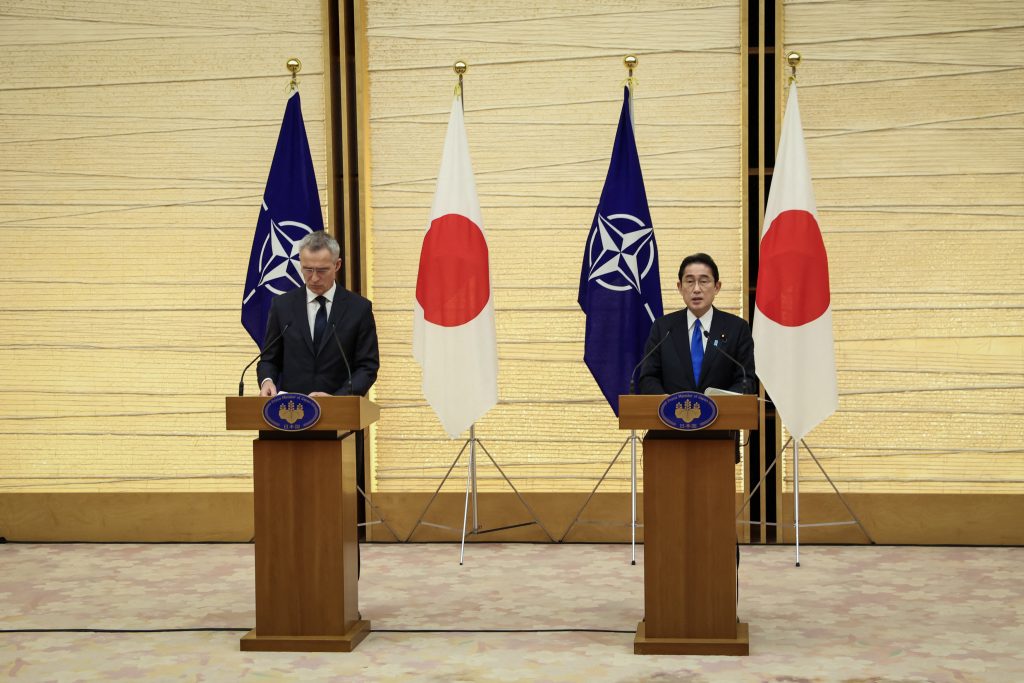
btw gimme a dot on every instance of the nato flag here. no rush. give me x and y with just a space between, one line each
291 210
620 288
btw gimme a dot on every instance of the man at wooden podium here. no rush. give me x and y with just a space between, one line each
698 347
701 347
321 338
689 490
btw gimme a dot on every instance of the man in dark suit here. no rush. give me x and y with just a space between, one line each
691 358
316 320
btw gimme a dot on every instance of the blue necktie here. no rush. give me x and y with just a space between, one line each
697 351
319 322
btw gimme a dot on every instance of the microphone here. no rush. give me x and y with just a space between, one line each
717 347
632 375
344 358
241 380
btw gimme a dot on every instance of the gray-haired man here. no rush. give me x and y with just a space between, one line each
317 319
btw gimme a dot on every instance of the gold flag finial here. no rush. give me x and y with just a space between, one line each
460 68
793 58
631 62
295 66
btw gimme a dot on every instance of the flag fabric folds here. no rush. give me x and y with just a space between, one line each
454 338
793 343
620 286
290 211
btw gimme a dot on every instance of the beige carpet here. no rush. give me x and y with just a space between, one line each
848 614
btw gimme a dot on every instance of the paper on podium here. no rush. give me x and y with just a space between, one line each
714 391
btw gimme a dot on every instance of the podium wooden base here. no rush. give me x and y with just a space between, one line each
253 642
738 646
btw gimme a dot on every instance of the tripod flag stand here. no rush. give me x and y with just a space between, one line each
471 493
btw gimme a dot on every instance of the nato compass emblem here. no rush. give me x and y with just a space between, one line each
620 252
688 411
291 412
279 257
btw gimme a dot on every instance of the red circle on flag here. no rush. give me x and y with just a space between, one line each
453 285
792 280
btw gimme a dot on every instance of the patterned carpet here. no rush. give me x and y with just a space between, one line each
847 614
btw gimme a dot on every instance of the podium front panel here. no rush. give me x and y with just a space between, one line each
306 537
689 539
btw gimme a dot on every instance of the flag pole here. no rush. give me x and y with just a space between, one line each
631 62
796 498
472 467
793 59
470 477
460 68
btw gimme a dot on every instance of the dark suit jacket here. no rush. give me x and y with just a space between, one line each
669 369
294 365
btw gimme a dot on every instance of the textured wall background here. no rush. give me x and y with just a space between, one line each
543 94
136 138
914 118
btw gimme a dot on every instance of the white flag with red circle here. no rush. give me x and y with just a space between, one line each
454 338
793 344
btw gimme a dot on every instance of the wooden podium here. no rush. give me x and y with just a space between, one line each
304 486
689 530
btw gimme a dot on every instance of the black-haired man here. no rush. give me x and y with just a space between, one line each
693 357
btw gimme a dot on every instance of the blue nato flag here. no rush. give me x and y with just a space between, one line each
290 211
620 288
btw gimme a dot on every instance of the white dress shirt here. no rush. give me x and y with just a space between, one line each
312 305
705 324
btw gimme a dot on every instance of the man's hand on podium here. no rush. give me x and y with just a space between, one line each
268 388
315 394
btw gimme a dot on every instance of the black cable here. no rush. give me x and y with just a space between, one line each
45 542
497 630
816 544
241 629
120 630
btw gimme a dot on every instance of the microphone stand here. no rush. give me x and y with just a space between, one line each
344 358
366 497
241 380
743 369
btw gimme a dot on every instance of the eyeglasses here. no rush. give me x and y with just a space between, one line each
704 282
308 272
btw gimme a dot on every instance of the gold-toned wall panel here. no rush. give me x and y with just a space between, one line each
543 94
190 516
914 117
136 143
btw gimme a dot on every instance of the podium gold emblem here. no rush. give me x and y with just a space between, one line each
687 411
292 413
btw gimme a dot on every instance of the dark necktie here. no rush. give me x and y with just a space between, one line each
319 322
697 351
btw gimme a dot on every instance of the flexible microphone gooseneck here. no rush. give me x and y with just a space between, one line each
632 375
241 380
348 369
715 345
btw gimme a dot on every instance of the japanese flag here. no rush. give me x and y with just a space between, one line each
454 337
793 344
